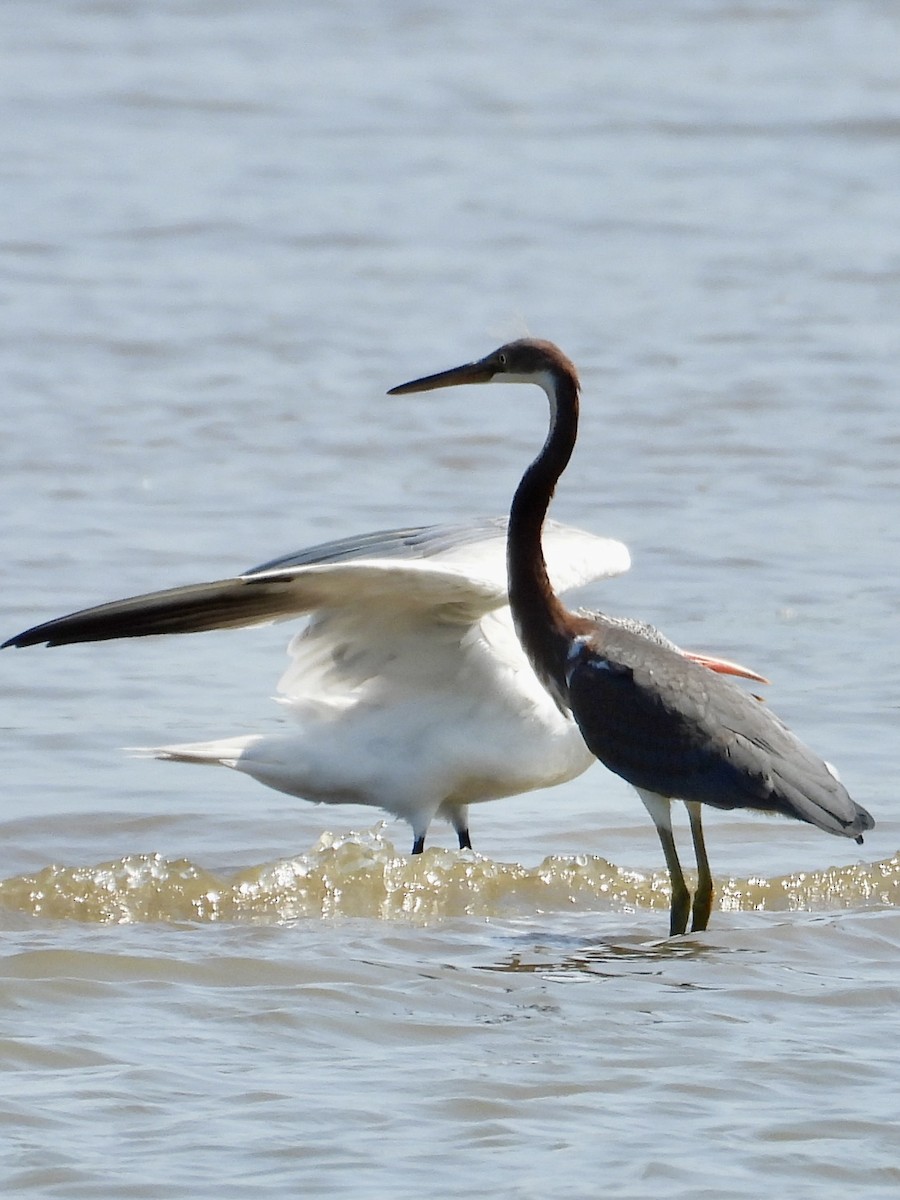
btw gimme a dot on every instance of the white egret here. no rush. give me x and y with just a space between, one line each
408 688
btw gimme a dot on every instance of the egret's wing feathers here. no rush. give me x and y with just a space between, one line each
574 557
261 598
220 605
418 541
451 573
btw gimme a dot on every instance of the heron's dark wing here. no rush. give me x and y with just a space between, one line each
669 726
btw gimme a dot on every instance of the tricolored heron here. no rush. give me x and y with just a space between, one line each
657 719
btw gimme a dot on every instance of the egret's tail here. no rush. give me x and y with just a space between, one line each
224 753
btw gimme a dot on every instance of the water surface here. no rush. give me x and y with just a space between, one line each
227 231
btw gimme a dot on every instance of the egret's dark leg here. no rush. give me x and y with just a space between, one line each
703 897
659 808
458 816
419 844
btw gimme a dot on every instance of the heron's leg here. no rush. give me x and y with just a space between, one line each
681 897
419 844
659 808
703 897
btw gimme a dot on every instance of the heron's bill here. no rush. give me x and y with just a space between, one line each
476 372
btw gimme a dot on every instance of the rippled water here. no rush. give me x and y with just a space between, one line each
364 876
227 231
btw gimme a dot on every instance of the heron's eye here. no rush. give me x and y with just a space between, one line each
501 359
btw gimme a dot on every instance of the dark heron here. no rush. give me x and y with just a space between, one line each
670 728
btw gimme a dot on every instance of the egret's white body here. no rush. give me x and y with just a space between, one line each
409 688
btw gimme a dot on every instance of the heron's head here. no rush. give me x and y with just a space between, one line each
528 360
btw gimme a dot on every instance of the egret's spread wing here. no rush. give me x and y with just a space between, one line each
417 541
219 605
432 635
575 557
477 550
268 596
282 588
452 573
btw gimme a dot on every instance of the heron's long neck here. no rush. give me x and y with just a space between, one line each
540 619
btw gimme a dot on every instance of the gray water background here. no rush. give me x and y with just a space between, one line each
227 230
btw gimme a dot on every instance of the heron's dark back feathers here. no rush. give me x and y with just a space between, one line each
670 726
